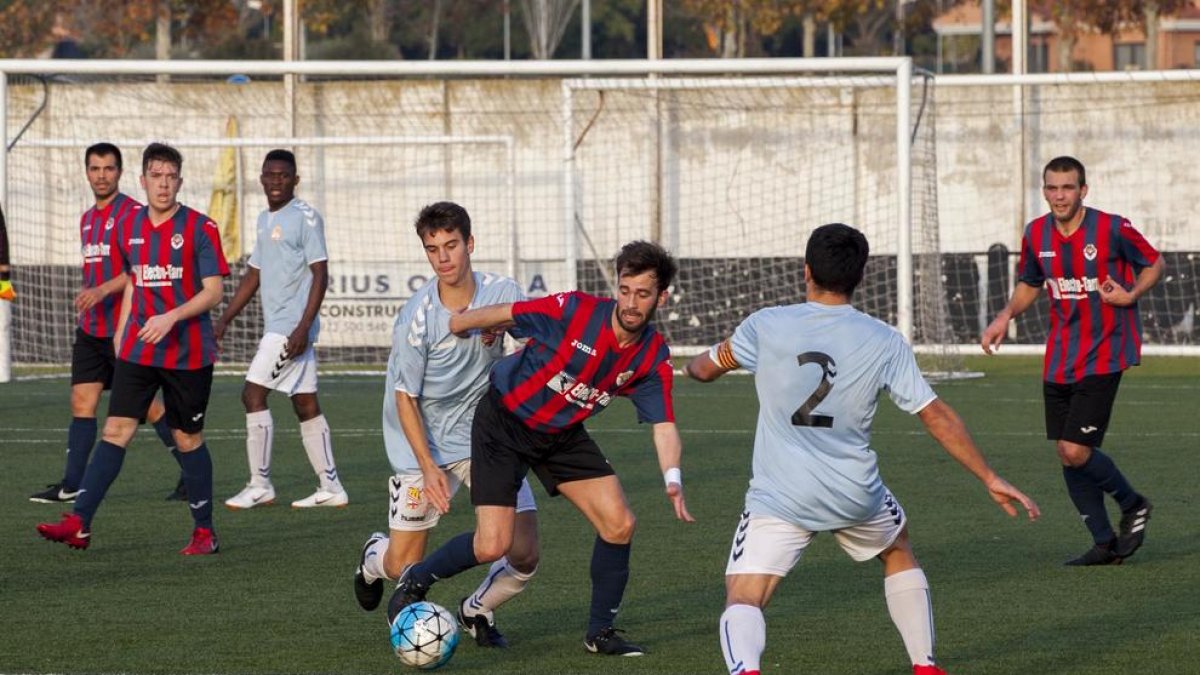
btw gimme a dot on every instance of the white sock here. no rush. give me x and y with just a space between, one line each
373 566
315 435
502 583
912 611
260 431
743 637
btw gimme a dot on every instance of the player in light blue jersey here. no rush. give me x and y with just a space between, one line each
818 369
434 382
290 265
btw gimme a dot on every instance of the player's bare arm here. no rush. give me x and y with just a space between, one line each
88 297
669 447
241 297
948 429
1115 294
413 425
1022 299
298 340
123 316
158 326
492 316
712 364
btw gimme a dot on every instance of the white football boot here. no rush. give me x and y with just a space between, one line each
323 497
251 496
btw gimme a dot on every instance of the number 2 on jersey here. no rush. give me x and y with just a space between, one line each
803 416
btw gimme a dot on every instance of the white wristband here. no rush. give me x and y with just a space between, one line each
673 475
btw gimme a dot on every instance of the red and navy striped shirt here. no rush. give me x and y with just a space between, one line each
99 239
166 263
572 366
1087 336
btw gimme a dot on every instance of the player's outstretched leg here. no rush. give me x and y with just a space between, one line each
743 638
476 612
909 605
369 575
610 574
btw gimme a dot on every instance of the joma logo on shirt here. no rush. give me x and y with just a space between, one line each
586 349
580 394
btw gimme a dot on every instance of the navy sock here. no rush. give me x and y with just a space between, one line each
198 476
610 573
164 432
81 436
101 472
1104 473
1089 501
454 556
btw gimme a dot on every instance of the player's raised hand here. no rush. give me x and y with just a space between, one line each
675 494
994 334
437 489
156 328
1113 293
1004 494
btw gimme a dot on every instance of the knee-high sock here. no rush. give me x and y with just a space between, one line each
373 568
260 433
743 638
163 431
81 436
198 475
317 444
502 583
1104 473
610 573
100 474
1088 499
454 556
908 602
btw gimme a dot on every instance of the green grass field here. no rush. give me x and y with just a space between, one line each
278 599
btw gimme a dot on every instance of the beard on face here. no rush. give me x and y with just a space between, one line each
634 327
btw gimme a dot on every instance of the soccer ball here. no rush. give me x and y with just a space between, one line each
424 635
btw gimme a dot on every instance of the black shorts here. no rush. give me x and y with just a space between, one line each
185 393
503 450
1079 412
92 359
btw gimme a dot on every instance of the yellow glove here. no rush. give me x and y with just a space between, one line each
7 292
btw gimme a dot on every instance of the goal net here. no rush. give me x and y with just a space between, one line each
733 174
369 189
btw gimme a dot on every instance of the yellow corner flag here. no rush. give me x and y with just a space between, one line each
222 206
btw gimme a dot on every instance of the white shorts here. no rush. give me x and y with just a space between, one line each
768 545
273 370
410 511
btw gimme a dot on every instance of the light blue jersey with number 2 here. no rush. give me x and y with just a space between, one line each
818 370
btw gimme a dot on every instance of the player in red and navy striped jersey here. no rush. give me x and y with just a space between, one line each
581 352
98 303
173 255
1095 266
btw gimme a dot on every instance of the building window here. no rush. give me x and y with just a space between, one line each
1196 55
1039 56
1130 56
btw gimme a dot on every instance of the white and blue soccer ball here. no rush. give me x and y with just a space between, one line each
424 635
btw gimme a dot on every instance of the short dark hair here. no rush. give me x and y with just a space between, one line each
103 149
1064 164
836 256
281 155
161 152
637 257
446 216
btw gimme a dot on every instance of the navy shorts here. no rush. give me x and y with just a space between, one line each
503 450
185 393
92 359
1079 412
